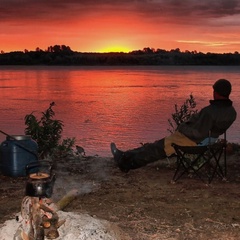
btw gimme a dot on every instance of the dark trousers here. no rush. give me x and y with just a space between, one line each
138 157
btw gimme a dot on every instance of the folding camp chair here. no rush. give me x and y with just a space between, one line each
202 161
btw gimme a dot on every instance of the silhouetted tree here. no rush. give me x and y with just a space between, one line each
161 51
177 50
148 50
56 48
63 55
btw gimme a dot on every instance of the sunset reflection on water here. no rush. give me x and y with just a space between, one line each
127 105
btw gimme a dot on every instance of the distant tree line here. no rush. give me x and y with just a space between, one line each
63 55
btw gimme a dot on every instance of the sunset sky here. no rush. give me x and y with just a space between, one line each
120 25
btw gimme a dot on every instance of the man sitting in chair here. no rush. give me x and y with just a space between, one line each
215 118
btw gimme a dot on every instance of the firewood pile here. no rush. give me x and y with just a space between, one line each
39 219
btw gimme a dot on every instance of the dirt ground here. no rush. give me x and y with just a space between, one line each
144 203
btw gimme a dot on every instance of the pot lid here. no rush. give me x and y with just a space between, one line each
39 175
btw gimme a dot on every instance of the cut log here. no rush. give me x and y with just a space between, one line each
67 199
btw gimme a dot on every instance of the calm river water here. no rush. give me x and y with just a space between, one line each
127 105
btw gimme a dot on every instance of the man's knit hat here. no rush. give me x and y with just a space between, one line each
223 87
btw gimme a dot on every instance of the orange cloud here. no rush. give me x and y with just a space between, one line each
91 26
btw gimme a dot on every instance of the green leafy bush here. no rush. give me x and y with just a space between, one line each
47 132
182 113
64 149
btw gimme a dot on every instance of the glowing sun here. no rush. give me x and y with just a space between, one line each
114 48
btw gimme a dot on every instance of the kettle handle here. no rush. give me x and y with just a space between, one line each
39 164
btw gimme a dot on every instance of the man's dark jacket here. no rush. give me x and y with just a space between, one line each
214 119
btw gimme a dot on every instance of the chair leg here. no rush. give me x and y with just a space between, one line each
187 167
211 156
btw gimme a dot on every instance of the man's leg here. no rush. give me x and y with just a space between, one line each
149 152
139 157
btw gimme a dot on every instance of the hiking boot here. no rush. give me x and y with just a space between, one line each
119 158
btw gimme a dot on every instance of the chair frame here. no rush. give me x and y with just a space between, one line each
210 155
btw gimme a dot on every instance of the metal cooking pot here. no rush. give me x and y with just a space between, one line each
40 179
